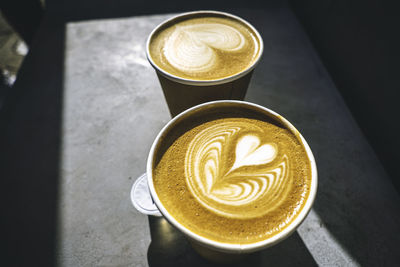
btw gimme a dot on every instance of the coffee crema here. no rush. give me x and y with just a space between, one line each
234 180
204 47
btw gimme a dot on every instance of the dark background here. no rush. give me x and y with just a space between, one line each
358 42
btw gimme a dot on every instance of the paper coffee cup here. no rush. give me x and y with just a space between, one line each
182 93
206 247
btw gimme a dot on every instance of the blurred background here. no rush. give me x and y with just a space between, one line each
12 52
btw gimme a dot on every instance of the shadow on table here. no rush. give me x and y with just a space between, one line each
77 10
30 148
169 247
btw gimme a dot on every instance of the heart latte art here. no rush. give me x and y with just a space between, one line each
233 179
192 49
204 48
256 176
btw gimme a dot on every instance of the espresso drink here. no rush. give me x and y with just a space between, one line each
233 177
204 46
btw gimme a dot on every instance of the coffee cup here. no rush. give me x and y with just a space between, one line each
203 56
234 177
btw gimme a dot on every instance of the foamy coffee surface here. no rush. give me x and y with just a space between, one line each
234 180
208 47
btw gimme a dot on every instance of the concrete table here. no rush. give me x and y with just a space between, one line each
112 109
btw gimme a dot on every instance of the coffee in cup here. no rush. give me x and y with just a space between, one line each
203 56
204 46
233 176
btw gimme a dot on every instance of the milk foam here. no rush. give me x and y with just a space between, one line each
235 180
249 152
256 175
192 48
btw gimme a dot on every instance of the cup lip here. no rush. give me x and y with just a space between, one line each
229 247
204 82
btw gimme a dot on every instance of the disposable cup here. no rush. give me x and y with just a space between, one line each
209 248
182 93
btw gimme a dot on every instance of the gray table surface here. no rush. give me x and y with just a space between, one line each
113 108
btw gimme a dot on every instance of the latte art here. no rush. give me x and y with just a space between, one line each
223 188
191 49
233 179
205 47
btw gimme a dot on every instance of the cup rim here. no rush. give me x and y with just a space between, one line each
229 247
204 82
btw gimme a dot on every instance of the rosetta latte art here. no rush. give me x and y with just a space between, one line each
191 48
255 177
